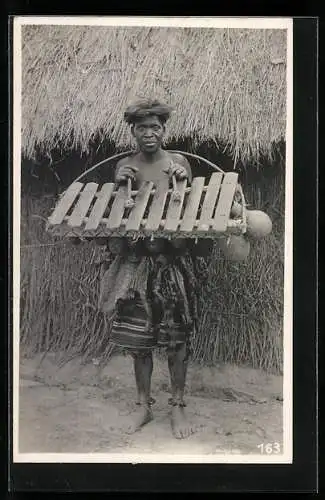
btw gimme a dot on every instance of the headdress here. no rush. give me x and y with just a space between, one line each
146 107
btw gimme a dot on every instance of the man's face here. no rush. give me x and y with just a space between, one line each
149 133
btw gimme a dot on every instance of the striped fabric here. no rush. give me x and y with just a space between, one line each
151 300
132 329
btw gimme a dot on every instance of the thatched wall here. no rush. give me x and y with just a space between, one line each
241 304
226 85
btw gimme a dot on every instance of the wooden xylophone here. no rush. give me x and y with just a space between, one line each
201 210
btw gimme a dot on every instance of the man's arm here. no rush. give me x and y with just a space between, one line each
124 170
119 164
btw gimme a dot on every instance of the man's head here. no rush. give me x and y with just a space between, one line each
147 119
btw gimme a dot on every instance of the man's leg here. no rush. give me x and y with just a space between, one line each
177 362
143 366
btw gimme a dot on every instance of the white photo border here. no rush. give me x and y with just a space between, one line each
196 22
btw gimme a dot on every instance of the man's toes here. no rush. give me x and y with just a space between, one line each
177 434
184 433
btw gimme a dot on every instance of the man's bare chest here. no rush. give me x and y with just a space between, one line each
156 172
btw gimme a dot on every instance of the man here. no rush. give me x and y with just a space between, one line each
149 289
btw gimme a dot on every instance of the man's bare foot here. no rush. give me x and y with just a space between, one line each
181 427
141 416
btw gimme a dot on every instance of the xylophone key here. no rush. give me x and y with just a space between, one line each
117 210
157 207
65 203
175 207
141 201
209 202
226 198
192 205
99 208
80 210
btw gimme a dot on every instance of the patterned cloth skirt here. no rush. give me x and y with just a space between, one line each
152 302
132 328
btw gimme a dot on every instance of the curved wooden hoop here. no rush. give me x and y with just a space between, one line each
197 157
126 153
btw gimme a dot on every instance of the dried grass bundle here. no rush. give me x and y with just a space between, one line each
228 85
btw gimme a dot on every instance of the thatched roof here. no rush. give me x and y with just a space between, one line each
226 85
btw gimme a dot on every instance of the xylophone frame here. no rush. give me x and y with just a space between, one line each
196 211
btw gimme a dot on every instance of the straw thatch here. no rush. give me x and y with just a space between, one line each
226 85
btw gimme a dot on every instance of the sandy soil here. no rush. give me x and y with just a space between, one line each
84 408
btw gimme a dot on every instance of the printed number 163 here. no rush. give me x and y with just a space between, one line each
269 448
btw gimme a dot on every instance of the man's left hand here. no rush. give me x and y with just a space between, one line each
178 171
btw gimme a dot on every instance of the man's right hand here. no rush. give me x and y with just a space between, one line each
126 172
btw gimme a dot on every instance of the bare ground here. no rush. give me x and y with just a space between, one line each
84 408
